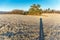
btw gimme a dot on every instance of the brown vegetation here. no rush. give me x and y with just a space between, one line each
35 9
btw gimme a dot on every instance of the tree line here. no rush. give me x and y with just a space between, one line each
34 9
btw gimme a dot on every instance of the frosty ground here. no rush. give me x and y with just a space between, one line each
26 27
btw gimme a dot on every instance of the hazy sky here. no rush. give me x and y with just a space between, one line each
7 5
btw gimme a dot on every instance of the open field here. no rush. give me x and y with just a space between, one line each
19 26
51 24
25 27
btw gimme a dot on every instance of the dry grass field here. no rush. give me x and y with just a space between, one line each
19 27
51 24
25 27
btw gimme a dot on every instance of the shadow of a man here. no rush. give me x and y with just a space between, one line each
41 30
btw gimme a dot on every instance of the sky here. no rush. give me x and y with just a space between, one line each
8 5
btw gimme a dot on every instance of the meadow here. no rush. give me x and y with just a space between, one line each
27 27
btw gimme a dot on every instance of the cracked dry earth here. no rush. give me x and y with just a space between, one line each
23 27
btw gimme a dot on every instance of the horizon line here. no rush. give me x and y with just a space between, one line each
27 10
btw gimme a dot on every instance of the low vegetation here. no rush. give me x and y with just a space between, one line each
34 9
